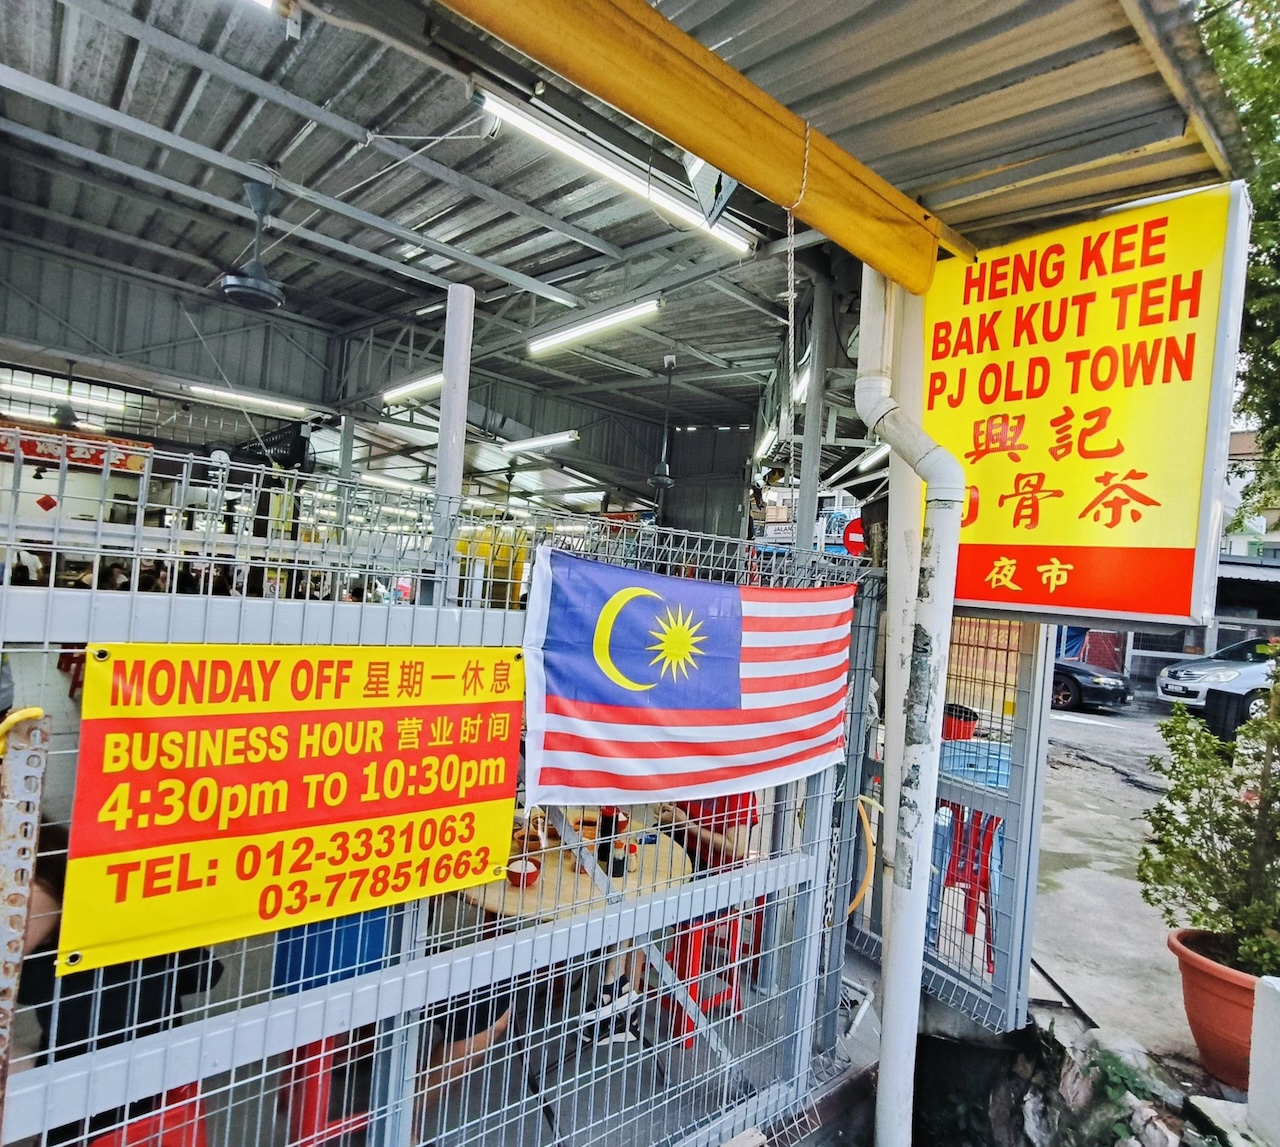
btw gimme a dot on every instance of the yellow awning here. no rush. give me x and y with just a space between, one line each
631 57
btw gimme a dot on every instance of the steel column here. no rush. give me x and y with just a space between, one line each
811 451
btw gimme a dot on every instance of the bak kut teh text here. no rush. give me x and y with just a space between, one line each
267 785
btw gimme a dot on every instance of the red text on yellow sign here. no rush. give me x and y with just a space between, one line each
195 760
1072 375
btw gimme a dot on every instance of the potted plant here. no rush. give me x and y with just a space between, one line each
1213 862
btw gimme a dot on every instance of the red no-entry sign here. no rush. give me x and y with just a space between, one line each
853 539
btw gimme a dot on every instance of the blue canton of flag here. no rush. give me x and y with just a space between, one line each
620 637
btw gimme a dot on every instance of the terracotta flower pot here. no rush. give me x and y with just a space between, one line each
1219 1004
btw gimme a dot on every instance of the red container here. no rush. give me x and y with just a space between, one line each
959 723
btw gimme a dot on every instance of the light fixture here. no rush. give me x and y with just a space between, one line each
53 398
49 420
579 331
542 442
633 178
386 483
235 399
413 386
766 443
873 456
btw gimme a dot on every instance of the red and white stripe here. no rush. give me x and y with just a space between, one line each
793 673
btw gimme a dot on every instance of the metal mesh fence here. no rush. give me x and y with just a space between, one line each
985 832
661 1006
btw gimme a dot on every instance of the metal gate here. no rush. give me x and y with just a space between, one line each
436 1022
986 825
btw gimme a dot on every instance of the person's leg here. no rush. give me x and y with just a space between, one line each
464 1037
449 1061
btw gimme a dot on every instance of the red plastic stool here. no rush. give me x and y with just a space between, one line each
308 1093
972 838
687 958
178 1123
76 669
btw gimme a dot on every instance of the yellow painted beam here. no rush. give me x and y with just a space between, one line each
631 57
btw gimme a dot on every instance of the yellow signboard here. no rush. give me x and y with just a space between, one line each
227 791
1083 379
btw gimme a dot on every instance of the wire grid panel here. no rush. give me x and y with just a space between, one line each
657 1006
987 823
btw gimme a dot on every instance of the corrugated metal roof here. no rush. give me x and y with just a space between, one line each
1002 115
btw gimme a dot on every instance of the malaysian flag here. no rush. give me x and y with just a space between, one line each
643 688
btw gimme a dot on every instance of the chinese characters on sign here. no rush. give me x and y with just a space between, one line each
224 792
1077 375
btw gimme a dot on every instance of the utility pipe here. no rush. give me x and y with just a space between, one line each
811 452
629 55
926 694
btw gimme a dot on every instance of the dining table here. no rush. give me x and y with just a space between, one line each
566 887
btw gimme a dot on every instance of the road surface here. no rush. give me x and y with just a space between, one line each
1094 935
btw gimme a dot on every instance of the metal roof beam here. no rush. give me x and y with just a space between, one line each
129 171
56 97
169 207
747 299
189 54
161 249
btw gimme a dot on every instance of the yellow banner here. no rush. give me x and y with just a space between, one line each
1072 374
229 791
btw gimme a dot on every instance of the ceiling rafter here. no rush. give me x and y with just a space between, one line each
14 80
212 65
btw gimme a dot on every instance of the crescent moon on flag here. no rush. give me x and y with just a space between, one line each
604 634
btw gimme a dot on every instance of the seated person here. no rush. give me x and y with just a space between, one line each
715 831
461 1029
96 1009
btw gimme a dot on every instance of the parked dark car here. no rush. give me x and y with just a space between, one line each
1077 683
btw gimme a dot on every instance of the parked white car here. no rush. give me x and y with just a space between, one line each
1243 668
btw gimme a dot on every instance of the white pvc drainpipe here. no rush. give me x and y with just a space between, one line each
903 960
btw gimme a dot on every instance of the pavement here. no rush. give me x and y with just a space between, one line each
1095 940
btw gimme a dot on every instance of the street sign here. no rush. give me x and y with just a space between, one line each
1083 378
853 539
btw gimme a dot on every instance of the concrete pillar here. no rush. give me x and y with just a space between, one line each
459 319
811 449
443 589
886 312
347 446
1264 1062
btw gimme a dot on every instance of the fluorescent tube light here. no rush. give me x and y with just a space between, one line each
873 456
235 399
413 386
55 399
634 179
766 444
801 387
386 483
542 442
579 331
